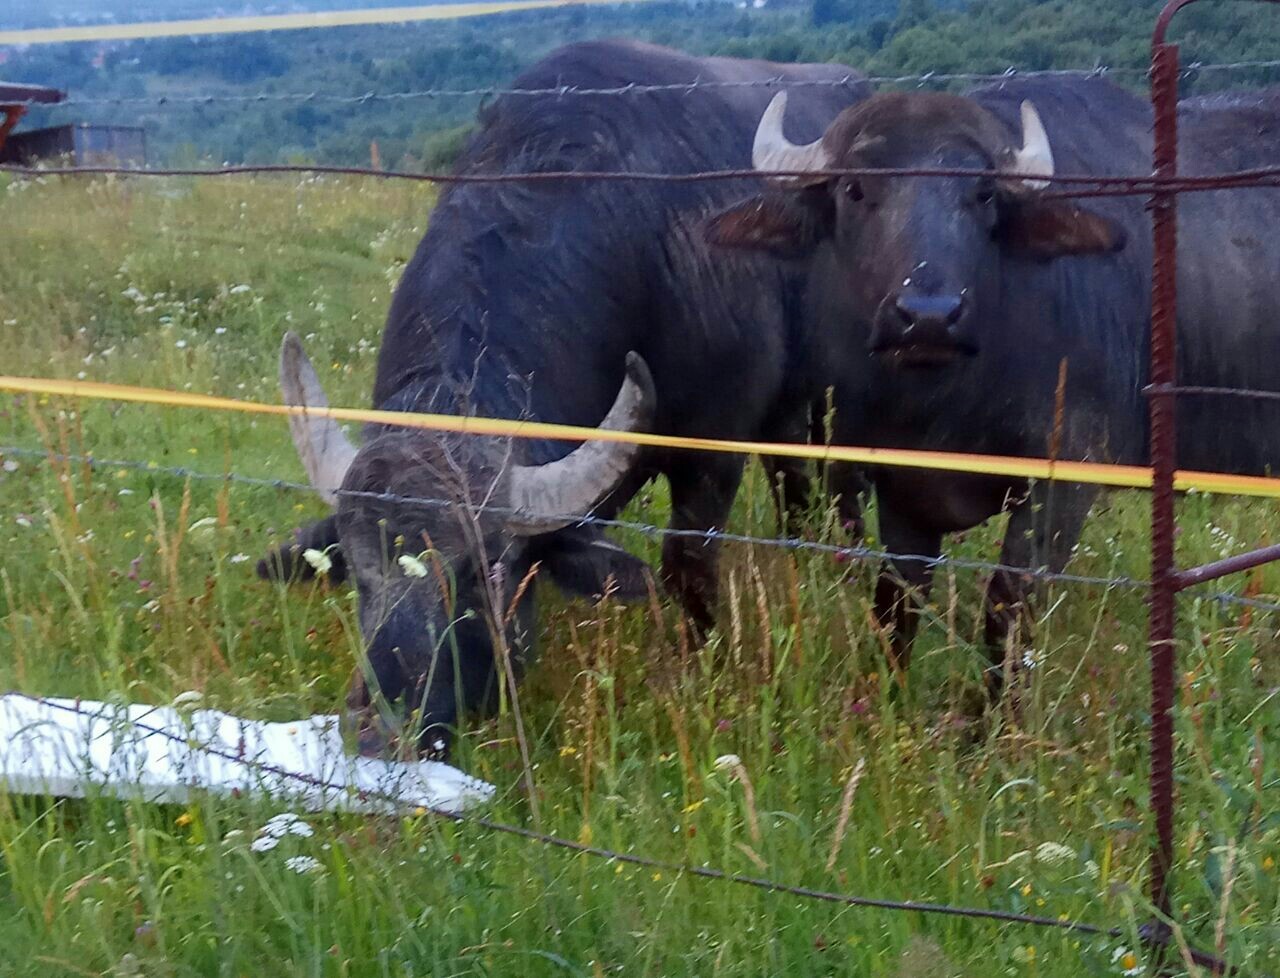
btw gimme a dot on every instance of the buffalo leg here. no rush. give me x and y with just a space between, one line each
847 483
701 497
791 485
795 482
904 585
1042 531
791 481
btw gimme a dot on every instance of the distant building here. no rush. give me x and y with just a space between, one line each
78 144
14 100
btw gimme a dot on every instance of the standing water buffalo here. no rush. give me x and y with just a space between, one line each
961 298
535 301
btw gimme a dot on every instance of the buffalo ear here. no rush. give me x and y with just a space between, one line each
783 223
287 564
1048 229
589 566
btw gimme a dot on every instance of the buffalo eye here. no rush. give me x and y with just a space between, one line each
985 193
852 189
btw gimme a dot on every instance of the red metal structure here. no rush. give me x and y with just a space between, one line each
14 100
1166 579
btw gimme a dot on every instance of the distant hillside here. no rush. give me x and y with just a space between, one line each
50 13
884 37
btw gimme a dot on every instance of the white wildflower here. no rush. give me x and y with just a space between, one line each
412 566
201 531
189 698
286 824
181 344
727 762
238 289
10 465
318 559
238 558
264 843
303 864
1054 853
22 520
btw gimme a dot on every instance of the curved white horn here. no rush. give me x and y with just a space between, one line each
325 451
1034 159
548 497
773 151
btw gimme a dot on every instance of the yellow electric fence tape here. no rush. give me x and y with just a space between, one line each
276 22
1123 476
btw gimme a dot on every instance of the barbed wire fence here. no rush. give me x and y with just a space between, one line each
394 805
850 552
570 91
1158 185
397 806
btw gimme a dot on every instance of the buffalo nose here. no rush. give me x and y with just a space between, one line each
930 312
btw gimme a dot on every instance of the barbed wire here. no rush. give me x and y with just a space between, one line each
840 551
1143 185
1180 389
401 808
1155 933
779 82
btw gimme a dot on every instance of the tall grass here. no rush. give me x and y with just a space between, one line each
133 583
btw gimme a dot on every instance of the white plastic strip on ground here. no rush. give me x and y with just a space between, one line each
71 748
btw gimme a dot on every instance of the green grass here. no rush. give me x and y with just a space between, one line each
117 583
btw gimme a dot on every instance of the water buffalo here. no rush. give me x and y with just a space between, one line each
533 300
961 299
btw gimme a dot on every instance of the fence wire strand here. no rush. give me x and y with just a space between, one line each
1152 934
778 82
1078 185
839 551
402 809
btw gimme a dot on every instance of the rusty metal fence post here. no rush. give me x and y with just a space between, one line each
1164 273
1166 581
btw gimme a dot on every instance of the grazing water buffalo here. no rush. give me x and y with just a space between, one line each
961 299
535 300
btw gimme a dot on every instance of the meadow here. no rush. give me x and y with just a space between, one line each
127 581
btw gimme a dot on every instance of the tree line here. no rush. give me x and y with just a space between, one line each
881 37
